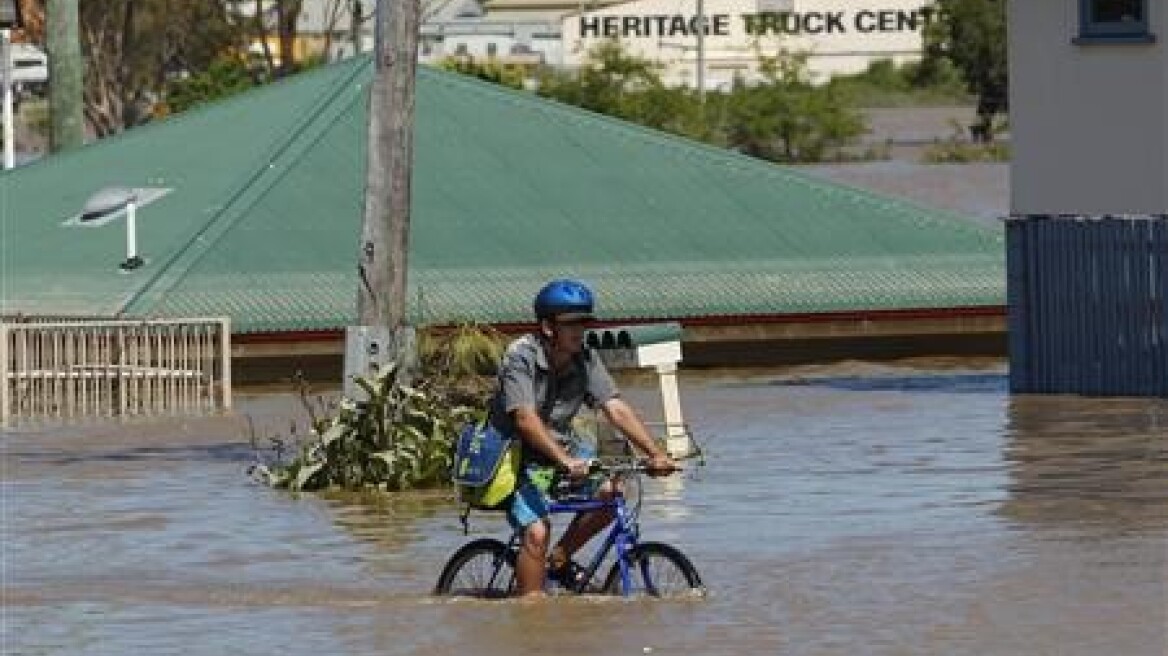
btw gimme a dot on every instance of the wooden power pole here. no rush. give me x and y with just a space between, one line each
63 43
383 335
355 25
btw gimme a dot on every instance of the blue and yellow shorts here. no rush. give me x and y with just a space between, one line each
532 497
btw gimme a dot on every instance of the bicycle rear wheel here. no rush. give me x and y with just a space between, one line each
480 568
658 570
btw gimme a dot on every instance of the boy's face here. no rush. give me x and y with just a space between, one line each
566 334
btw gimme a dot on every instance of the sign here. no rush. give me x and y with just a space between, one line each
866 21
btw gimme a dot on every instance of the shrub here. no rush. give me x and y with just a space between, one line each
401 436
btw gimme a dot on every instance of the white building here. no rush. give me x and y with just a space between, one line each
840 36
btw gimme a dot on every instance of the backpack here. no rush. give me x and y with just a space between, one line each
487 462
486 466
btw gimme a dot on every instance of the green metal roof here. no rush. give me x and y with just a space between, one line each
262 218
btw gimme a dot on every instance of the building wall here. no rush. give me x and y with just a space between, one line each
509 42
841 36
1088 123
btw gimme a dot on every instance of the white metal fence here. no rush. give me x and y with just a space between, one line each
64 370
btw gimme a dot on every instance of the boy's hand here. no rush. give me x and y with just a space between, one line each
576 468
661 465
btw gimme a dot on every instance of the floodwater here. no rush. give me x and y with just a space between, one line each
853 509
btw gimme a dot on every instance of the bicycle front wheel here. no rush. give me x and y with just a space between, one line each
658 570
481 568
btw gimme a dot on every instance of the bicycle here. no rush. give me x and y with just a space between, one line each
485 567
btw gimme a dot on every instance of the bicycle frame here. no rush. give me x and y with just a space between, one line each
654 568
622 535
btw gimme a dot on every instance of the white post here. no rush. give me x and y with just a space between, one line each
225 363
676 438
4 394
9 118
132 261
131 231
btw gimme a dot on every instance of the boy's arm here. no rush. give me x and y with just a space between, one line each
622 415
533 431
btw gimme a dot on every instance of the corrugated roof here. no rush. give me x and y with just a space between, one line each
263 218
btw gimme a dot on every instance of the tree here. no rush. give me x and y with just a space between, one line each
615 82
785 117
226 76
132 49
263 18
972 35
605 81
507 75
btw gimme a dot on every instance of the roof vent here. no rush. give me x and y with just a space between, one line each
106 201
110 203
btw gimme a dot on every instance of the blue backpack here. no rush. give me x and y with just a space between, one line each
486 466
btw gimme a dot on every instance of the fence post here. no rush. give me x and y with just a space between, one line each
4 382
225 355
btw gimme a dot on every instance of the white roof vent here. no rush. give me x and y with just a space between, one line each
110 203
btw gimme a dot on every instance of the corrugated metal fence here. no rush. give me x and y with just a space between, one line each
65 370
1087 305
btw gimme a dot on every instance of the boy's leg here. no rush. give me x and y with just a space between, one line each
528 514
583 527
530 565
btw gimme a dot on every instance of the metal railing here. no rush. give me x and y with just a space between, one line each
63 370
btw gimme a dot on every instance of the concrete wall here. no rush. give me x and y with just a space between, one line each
1089 123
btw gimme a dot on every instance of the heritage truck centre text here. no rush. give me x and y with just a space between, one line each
761 24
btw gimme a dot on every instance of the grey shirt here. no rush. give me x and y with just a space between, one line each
525 380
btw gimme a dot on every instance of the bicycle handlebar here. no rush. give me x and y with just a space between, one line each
598 466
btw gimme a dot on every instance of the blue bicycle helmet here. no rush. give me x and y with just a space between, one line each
563 297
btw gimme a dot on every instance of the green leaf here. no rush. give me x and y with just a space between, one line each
305 474
334 432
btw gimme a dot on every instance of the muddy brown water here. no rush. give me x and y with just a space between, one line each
854 509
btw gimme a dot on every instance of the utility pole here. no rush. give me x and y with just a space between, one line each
355 25
9 115
63 43
383 335
701 72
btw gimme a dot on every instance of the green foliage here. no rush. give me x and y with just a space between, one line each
971 35
958 149
225 77
788 119
132 47
401 436
783 118
468 351
491 70
610 81
913 84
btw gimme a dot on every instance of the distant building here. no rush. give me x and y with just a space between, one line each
330 29
839 36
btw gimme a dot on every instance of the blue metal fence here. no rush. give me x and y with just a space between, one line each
1087 312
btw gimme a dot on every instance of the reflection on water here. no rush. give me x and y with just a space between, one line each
1077 461
850 509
